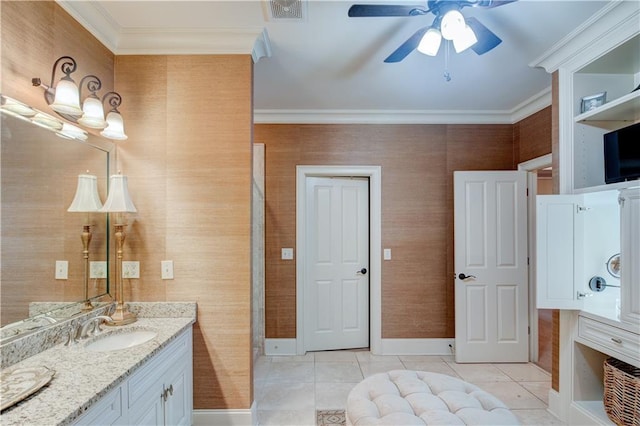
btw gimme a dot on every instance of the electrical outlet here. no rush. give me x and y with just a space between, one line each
62 269
98 269
166 269
131 269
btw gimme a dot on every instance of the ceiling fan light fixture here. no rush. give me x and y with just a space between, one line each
430 43
464 40
452 24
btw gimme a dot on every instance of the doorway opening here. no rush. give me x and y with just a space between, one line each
539 182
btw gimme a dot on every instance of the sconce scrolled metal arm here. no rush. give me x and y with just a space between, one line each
93 84
114 99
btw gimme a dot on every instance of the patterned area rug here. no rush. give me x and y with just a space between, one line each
330 417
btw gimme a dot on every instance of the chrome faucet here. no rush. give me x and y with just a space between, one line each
94 324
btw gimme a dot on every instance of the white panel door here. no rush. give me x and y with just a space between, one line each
336 292
491 284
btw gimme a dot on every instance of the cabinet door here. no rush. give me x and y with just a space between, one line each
178 405
559 235
108 411
630 255
149 414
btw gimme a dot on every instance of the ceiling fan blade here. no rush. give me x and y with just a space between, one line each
489 4
487 40
368 10
407 47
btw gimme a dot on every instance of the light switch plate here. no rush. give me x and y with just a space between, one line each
166 269
387 254
62 269
287 253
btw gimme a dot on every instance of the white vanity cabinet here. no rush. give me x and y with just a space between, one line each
161 392
158 393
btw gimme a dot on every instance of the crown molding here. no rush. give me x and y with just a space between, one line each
615 18
530 106
167 41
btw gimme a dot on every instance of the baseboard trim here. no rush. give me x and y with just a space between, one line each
280 347
233 417
554 406
417 347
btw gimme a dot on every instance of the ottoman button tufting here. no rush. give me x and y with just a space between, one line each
406 397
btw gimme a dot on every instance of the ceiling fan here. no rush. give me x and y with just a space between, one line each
449 23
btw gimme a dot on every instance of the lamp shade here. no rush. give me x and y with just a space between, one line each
118 200
87 198
67 98
46 121
115 127
430 43
92 113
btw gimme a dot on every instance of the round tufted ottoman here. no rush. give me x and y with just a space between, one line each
406 397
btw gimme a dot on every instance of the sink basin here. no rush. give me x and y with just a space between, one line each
120 340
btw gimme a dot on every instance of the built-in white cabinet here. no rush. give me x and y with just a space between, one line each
583 228
159 393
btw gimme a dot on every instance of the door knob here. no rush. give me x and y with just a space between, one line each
362 271
464 277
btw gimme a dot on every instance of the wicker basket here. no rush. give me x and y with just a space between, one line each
622 392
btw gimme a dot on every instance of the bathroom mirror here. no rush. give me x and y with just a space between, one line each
42 279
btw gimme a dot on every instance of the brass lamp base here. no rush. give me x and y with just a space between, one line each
87 306
122 316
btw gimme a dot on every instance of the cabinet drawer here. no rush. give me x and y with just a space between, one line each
107 411
616 339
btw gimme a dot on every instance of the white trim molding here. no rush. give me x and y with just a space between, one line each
374 173
418 346
230 417
280 347
167 41
530 106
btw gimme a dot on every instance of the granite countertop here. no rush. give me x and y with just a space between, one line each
82 377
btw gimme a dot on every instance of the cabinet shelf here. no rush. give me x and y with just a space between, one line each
613 115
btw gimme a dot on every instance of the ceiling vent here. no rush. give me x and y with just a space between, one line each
286 9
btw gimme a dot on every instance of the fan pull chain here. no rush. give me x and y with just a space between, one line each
447 75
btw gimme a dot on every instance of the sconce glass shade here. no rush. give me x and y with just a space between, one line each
93 113
118 200
452 24
464 40
115 127
17 107
72 132
87 198
67 99
46 121
430 43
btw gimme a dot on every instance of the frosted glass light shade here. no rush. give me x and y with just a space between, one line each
452 24
118 200
464 40
67 98
17 107
430 43
46 121
92 114
115 127
72 132
87 198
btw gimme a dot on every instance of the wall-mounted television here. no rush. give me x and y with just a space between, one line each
622 154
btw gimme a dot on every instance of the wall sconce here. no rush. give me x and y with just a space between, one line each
86 201
64 98
119 202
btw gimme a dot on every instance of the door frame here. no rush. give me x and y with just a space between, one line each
532 185
374 173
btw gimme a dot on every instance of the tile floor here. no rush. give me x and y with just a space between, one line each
288 389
